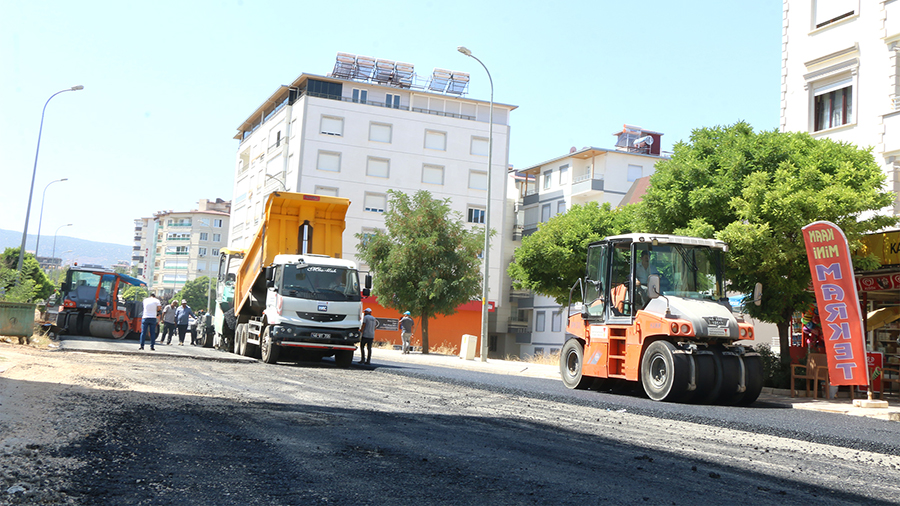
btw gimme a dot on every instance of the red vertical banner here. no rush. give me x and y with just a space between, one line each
838 303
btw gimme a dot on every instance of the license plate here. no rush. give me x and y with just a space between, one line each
320 335
718 331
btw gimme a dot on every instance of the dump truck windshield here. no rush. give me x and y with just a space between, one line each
320 283
688 271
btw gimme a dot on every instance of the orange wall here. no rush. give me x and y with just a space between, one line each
446 330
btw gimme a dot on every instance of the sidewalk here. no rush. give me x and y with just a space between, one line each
491 366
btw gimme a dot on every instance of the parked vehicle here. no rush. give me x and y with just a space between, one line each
654 311
290 290
92 304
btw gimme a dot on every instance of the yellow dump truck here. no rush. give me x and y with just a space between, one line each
290 290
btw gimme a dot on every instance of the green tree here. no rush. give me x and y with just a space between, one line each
33 285
550 260
756 191
426 262
195 293
136 293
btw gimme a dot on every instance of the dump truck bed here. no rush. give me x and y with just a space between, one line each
293 223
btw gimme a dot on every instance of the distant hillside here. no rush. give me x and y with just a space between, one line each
70 249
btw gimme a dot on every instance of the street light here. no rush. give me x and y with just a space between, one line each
278 181
487 213
31 191
41 216
54 239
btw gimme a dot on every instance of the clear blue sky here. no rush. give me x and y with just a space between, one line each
168 82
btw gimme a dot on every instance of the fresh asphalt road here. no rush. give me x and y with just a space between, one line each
415 430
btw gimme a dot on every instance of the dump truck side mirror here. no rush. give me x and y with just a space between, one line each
757 294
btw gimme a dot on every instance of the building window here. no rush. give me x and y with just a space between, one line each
326 190
380 132
480 146
217 223
432 174
217 237
547 176
561 207
375 202
204 236
360 95
635 172
545 213
215 252
435 140
539 321
332 126
564 174
367 234
329 161
475 215
203 222
392 101
556 321
477 180
378 167
826 12
833 108
201 252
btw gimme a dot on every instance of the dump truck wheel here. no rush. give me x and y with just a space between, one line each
267 348
571 359
663 374
343 358
754 381
731 379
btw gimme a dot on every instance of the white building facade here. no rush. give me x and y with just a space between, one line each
537 323
368 127
841 76
177 247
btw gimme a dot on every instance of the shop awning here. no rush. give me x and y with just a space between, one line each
881 317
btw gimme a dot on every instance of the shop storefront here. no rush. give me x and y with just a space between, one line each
879 293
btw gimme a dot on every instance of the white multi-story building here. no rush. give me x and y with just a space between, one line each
178 247
144 235
368 127
615 176
841 75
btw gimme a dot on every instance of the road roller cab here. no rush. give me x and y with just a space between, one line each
654 311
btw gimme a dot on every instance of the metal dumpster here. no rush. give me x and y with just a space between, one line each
16 319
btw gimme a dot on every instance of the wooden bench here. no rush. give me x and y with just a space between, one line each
815 370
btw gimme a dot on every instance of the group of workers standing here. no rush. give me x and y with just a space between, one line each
368 334
174 318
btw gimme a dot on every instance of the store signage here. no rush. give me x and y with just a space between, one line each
885 246
876 282
838 303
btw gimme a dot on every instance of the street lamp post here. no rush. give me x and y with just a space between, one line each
31 191
41 216
54 238
279 181
487 213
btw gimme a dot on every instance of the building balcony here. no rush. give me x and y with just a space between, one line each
587 186
137 238
517 324
519 293
178 238
183 253
136 248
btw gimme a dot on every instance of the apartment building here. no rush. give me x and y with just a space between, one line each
616 176
369 126
177 247
841 76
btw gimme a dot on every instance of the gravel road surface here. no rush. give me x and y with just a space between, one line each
81 428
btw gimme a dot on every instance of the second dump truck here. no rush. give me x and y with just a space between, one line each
655 312
290 289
